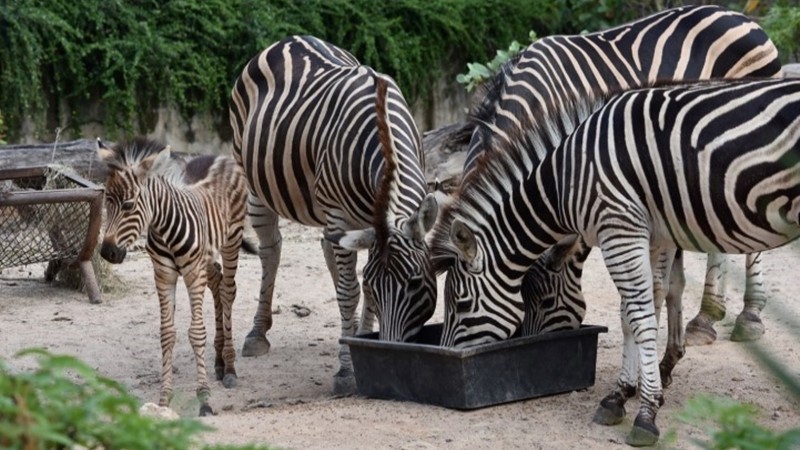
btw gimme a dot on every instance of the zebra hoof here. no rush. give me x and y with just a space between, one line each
205 410
344 383
749 327
643 434
229 380
607 417
612 408
255 346
700 332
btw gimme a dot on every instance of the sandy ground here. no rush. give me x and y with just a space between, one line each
283 399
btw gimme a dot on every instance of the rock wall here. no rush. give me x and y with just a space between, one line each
200 135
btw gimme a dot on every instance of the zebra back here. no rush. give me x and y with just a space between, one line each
684 43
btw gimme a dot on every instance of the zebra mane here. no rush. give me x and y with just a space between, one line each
388 183
490 92
130 152
496 173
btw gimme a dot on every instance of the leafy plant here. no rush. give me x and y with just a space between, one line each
64 403
732 425
782 24
131 58
477 73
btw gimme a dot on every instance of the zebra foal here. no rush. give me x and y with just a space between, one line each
328 142
191 212
707 167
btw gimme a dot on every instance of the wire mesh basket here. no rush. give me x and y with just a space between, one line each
48 214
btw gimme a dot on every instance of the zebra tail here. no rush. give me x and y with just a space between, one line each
383 207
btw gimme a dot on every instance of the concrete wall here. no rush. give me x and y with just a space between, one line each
448 105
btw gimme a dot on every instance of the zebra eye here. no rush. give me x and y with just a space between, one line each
128 205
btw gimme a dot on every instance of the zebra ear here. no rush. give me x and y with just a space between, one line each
442 197
464 240
106 155
352 240
422 221
154 162
560 252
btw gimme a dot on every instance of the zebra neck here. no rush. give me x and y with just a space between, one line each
166 204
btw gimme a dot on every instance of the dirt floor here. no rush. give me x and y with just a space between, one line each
283 399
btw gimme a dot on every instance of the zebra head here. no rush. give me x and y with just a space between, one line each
552 291
127 215
398 275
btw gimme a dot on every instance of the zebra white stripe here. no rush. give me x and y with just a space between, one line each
715 179
328 142
687 42
191 212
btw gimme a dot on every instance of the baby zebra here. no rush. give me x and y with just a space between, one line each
191 211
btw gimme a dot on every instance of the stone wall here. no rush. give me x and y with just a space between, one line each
199 136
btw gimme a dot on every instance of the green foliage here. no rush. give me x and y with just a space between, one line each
782 24
56 56
65 403
2 130
478 73
733 425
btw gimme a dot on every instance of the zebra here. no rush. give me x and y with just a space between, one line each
191 211
328 142
554 69
708 167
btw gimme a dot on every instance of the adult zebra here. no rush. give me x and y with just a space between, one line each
681 43
709 167
191 212
328 142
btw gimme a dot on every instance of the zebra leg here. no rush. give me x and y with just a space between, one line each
214 271
348 292
230 262
367 321
749 326
700 330
630 268
675 346
225 355
196 280
166 276
265 224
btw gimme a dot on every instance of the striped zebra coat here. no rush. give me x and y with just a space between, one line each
681 43
328 142
708 167
192 212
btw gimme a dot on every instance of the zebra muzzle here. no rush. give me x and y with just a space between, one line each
112 253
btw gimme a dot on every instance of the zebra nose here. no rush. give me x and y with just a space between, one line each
112 253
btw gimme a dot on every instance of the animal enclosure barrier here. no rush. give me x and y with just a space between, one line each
48 214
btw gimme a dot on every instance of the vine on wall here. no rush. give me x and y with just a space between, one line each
133 56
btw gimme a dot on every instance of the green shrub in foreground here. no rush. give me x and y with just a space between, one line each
64 403
732 425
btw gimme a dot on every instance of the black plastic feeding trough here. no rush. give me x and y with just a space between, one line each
484 375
